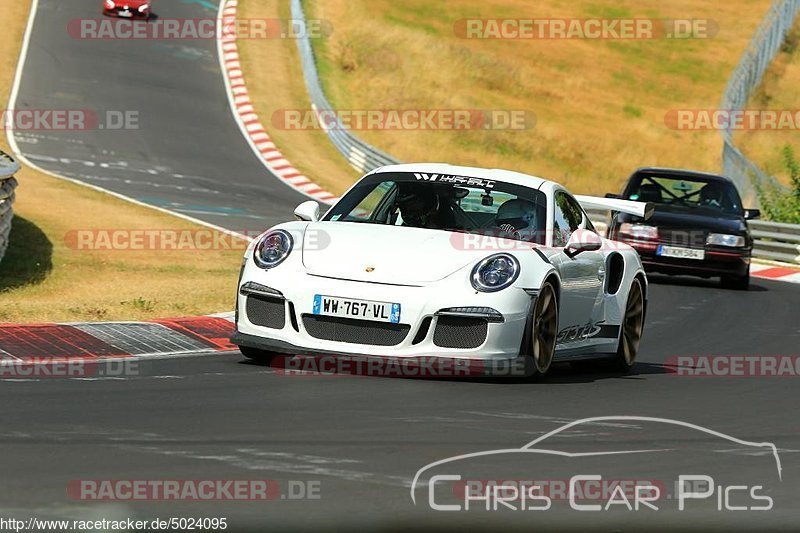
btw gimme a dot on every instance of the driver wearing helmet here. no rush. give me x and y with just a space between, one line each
715 195
424 207
517 219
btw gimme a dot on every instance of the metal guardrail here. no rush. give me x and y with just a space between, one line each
361 155
776 241
8 167
772 240
747 75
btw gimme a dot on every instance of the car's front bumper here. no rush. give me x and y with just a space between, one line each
715 263
133 13
290 359
298 331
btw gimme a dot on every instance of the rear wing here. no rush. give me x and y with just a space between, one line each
640 209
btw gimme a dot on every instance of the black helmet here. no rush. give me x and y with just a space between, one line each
417 204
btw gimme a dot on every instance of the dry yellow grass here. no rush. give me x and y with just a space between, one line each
780 90
275 82
42 278
600 104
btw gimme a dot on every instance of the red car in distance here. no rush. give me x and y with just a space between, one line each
130 9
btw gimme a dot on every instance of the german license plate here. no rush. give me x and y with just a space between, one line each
126 14
680 253
352 308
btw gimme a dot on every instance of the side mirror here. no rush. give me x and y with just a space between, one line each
582 240
308 211
752 214
613 195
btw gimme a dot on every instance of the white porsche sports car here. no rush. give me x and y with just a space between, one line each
445 261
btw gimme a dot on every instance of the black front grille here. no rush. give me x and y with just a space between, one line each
332 328
266 312
460 332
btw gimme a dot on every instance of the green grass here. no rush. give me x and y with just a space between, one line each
632 111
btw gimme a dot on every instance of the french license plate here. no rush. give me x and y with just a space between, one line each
126 14
681 253
361 309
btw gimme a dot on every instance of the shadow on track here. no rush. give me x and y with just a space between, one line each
29 257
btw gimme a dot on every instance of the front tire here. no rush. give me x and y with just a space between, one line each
539 345
736 283
631 330
259 356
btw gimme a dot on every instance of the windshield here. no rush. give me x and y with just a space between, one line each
692 192
445 202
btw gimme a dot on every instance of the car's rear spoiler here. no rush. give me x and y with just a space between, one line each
640 209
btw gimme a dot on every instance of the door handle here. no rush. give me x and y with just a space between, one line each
601 273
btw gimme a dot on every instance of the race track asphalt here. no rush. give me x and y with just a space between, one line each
361 439
186 153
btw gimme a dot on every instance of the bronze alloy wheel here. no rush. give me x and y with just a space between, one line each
632 325
544 329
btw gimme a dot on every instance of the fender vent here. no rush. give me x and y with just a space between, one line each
615 268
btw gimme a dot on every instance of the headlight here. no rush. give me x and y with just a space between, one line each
144 7
272 249
109 4
495 273
721 239
639 231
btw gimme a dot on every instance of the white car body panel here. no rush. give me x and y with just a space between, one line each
390 262
423 271
640 209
